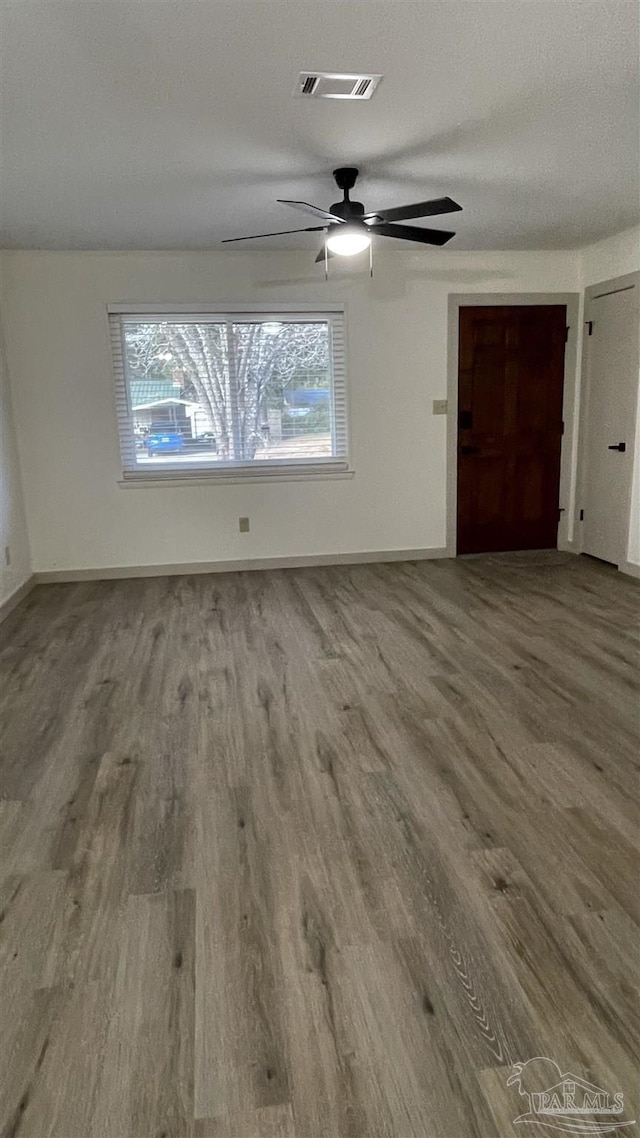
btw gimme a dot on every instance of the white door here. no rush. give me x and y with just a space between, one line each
611 356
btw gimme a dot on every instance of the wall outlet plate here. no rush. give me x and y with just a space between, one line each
439 406
243 525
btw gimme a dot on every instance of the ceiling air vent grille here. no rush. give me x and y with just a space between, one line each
335 85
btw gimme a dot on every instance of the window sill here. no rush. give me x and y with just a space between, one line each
172 479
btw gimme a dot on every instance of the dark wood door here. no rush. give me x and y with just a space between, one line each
511 370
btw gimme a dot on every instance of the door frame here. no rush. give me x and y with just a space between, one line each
571 300
613 284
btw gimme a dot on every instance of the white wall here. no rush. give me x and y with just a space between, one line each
13 526
397 335
613 257
603 261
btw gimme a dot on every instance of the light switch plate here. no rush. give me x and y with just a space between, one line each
440 406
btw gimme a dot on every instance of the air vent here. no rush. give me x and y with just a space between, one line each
362 88
335 85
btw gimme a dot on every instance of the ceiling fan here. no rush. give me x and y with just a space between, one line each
349 228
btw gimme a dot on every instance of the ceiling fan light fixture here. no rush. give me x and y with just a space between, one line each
349 240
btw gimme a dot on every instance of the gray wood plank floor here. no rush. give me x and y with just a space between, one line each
317 852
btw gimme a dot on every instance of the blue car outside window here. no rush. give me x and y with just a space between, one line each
166 439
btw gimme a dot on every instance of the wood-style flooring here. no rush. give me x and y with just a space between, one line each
317 853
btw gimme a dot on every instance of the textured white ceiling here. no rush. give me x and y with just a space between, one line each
159 124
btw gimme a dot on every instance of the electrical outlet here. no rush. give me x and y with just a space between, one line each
439 406
243 525
7 554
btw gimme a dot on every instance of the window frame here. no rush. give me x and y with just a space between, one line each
334 466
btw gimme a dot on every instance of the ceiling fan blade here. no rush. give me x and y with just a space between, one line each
419 209
279 233
314 210
413 233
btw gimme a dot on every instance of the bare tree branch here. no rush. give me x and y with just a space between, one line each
231 368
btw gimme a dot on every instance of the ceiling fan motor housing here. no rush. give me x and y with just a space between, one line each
348 211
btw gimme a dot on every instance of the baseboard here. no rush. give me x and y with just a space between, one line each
630 568
187 568
566 546
11 602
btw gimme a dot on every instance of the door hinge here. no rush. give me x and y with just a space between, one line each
589 324
581 515
566 333
562 428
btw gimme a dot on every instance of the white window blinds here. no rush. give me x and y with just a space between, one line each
242 392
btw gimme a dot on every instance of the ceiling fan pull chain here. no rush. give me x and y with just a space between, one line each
371 259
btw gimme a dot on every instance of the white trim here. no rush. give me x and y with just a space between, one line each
221 308
230 477
567 466
118 572
255 314
566 546
13 600
630 568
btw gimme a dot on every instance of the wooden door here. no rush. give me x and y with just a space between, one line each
511 371
611 368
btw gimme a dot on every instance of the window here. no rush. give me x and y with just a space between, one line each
233 394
